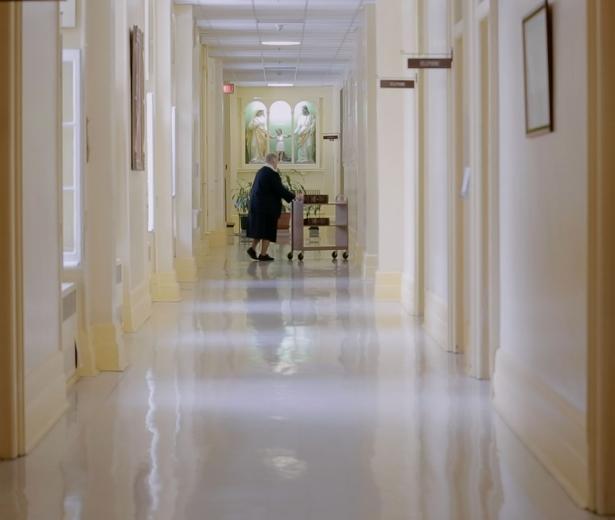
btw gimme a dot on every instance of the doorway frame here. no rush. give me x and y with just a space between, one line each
601 283
12 392
483 230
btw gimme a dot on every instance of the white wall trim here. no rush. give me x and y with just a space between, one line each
45 398
550 426
137 307
436 319
388 286
410 296
370 265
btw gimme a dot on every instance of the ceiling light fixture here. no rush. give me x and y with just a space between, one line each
281 43
280 84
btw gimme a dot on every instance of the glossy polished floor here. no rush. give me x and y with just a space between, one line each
281 392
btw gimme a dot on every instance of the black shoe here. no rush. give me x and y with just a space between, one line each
252 253
265 258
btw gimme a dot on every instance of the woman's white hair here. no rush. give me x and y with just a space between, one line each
271 158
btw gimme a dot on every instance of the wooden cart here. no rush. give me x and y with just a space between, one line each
298 226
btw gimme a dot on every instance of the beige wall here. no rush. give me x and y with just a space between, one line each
360 150
542 362
42 239
436 138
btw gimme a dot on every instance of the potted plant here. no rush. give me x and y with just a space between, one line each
295 187
241 201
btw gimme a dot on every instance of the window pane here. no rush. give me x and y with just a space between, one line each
67 91
68 156
69 221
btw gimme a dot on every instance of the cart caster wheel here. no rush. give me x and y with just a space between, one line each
345 256
300 257
289 256
334 255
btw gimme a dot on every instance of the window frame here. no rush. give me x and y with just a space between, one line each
74 258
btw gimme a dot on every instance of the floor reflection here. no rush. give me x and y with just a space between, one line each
281 391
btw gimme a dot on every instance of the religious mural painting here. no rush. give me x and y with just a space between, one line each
257 133
280 129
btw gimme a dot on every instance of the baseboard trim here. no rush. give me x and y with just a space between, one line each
46 399
409 297
87 356
388 286
436 319
186 269
137 308
164 287
216 238
109 348
370 266
550 427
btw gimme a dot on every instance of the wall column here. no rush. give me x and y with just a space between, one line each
101 224
164 280
185 263
397 168
369 133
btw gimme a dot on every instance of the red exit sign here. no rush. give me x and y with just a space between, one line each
229 88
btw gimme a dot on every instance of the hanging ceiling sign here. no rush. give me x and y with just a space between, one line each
430 63
396 83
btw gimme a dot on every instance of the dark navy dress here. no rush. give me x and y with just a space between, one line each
266 204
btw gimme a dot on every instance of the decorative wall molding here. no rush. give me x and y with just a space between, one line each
164 287
436 319
409 295
370 266
45 398
388 286
186 269
109 347
550 426
137 308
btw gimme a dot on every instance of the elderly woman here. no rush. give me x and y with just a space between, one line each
266 207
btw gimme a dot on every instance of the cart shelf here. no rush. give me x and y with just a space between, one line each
340 225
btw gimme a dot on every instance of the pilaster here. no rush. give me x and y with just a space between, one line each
100 269
164 284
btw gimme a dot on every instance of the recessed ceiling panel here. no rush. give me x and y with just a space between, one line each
234 30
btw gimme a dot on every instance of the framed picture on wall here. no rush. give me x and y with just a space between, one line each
137 98
537 71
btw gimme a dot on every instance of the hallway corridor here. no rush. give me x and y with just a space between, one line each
281 392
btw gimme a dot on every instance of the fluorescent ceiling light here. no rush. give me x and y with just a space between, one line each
281 44
280 84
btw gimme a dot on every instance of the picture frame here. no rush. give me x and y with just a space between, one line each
537 71
137 99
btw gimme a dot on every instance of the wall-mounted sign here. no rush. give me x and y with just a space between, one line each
229 88
330 137
430 63
396 83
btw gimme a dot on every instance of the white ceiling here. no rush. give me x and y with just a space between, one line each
234 30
